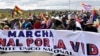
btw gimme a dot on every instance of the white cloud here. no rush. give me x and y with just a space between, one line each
47 4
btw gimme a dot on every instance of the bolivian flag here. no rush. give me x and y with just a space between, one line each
17 10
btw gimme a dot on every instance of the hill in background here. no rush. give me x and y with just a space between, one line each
8 12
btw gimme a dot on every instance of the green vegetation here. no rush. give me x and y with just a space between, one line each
8 13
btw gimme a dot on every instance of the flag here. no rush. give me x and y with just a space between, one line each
87 7
95 18
17 10
12 13
95 14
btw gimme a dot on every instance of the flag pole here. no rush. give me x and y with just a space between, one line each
12 13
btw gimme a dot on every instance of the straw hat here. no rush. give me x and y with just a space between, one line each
89 23
6 26
2 22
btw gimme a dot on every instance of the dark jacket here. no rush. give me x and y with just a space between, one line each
91 29
73 28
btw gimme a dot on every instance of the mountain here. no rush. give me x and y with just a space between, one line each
5 10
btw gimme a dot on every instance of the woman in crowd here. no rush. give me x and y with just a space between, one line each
72 25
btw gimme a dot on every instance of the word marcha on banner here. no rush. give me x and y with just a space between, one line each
37 33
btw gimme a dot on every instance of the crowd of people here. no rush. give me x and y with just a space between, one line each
76 21
62 21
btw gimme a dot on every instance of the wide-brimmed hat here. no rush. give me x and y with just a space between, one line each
89 23
2 22
6 26
72 20
57 18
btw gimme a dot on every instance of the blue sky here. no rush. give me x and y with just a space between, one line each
47 4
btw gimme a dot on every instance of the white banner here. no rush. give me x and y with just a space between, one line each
72 43
26 40
77 43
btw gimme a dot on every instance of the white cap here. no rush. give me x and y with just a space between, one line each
43 22
52 17
6 26
57 18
